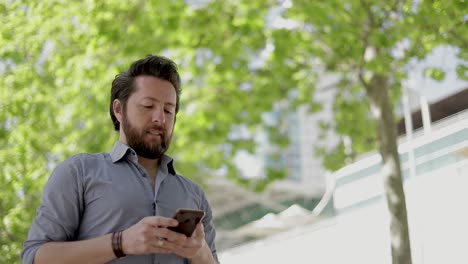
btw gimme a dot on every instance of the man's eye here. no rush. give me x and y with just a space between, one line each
148 106
168 111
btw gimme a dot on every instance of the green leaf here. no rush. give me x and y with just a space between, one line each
462 72
435 73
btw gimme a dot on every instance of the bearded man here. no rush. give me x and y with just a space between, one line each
116 207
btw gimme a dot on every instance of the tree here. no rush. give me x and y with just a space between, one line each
368 44
360 40
58 58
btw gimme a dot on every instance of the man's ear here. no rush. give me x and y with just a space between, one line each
117 107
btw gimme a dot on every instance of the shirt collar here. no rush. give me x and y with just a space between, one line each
120 150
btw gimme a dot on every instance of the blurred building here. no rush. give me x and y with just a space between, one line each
281 225
235 208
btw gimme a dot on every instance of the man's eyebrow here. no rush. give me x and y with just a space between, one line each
149 97
156 100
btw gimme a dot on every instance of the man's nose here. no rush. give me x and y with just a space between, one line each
158 116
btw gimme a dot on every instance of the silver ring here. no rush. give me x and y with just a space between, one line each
160 242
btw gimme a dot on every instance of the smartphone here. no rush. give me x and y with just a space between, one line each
188 220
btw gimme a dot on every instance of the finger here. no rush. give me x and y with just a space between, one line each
167 246
161 246
171 235
160 221
196 239
199 231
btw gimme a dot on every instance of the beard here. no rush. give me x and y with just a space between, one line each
136 140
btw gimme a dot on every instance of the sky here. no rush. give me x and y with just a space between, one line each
444 58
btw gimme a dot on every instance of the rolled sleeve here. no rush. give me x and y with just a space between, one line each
58 217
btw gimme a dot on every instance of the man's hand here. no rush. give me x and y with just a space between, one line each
193 248
151 235
190 247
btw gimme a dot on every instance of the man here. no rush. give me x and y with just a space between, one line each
116 207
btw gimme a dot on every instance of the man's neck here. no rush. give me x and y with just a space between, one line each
151 166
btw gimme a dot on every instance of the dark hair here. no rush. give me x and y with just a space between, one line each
124 83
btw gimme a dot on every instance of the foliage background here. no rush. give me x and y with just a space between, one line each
58 58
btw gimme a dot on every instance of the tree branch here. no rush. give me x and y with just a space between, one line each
365 40
370 15
362 80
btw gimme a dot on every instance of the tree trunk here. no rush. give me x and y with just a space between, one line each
382 110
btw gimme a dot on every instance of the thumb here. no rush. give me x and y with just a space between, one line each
199 231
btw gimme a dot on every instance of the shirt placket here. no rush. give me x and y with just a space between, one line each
146 181
150 194
160 177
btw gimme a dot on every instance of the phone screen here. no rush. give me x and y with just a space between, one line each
188 220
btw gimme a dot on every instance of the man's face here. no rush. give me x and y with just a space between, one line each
148 118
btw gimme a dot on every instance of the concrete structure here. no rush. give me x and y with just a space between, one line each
358 230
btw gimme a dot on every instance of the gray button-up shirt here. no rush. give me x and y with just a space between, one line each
90 195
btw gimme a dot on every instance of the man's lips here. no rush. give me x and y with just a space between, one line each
157 133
